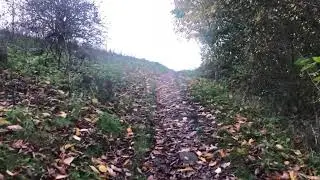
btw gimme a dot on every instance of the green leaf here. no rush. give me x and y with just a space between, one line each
317 79
302 61
309 66
316 59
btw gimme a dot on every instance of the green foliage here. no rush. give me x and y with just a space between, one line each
75 105
310 66
268 133
109 123
61 122
209 92
252 47
16 115
9 160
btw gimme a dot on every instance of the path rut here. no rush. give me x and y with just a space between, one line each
180 151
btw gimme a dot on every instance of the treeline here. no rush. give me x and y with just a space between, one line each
62 27
256 47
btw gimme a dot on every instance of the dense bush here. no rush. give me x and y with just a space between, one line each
253 46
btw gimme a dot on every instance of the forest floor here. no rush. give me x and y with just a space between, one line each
154 130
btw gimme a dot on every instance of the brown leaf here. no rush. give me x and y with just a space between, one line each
115 168
129 131
62 114
293 175
68 161
286 163
102 168
213 163
78 133
4 122
223 153
15 128
111 172
11 173
67 146
60 176
94 169
250 142
208 156
313 177
46 115
218 170
186 169
76 138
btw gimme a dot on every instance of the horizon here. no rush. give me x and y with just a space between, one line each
145 29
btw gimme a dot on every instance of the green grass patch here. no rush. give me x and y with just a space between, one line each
109 123
31 168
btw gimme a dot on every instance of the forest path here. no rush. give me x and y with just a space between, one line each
185 145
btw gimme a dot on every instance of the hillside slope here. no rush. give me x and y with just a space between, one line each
86 124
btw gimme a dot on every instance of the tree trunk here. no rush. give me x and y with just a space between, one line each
3 54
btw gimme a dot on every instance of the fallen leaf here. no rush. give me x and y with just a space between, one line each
67 146
218 170
11 173
213 163
76 138
313 177
68 161
15 128
297 152
46 115
151 178
208 156
199 153
94 169
4 122
285 175
222 153
186 169
116 168
103 168
78 133
62 114
237 126
202 159
293 175
94 101
225 165
60 92
129 131
60 176
287 163
279 147
250 141
111 172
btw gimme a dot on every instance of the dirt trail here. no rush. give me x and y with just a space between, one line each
179 151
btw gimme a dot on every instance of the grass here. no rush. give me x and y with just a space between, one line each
10 160
273 150
114 86
109 123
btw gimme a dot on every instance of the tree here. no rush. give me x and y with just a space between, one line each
253 46
63 24
3 52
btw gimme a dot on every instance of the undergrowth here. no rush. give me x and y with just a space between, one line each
260 145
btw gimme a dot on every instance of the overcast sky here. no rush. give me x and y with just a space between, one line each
145 29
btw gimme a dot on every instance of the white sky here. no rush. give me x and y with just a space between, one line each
145 29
